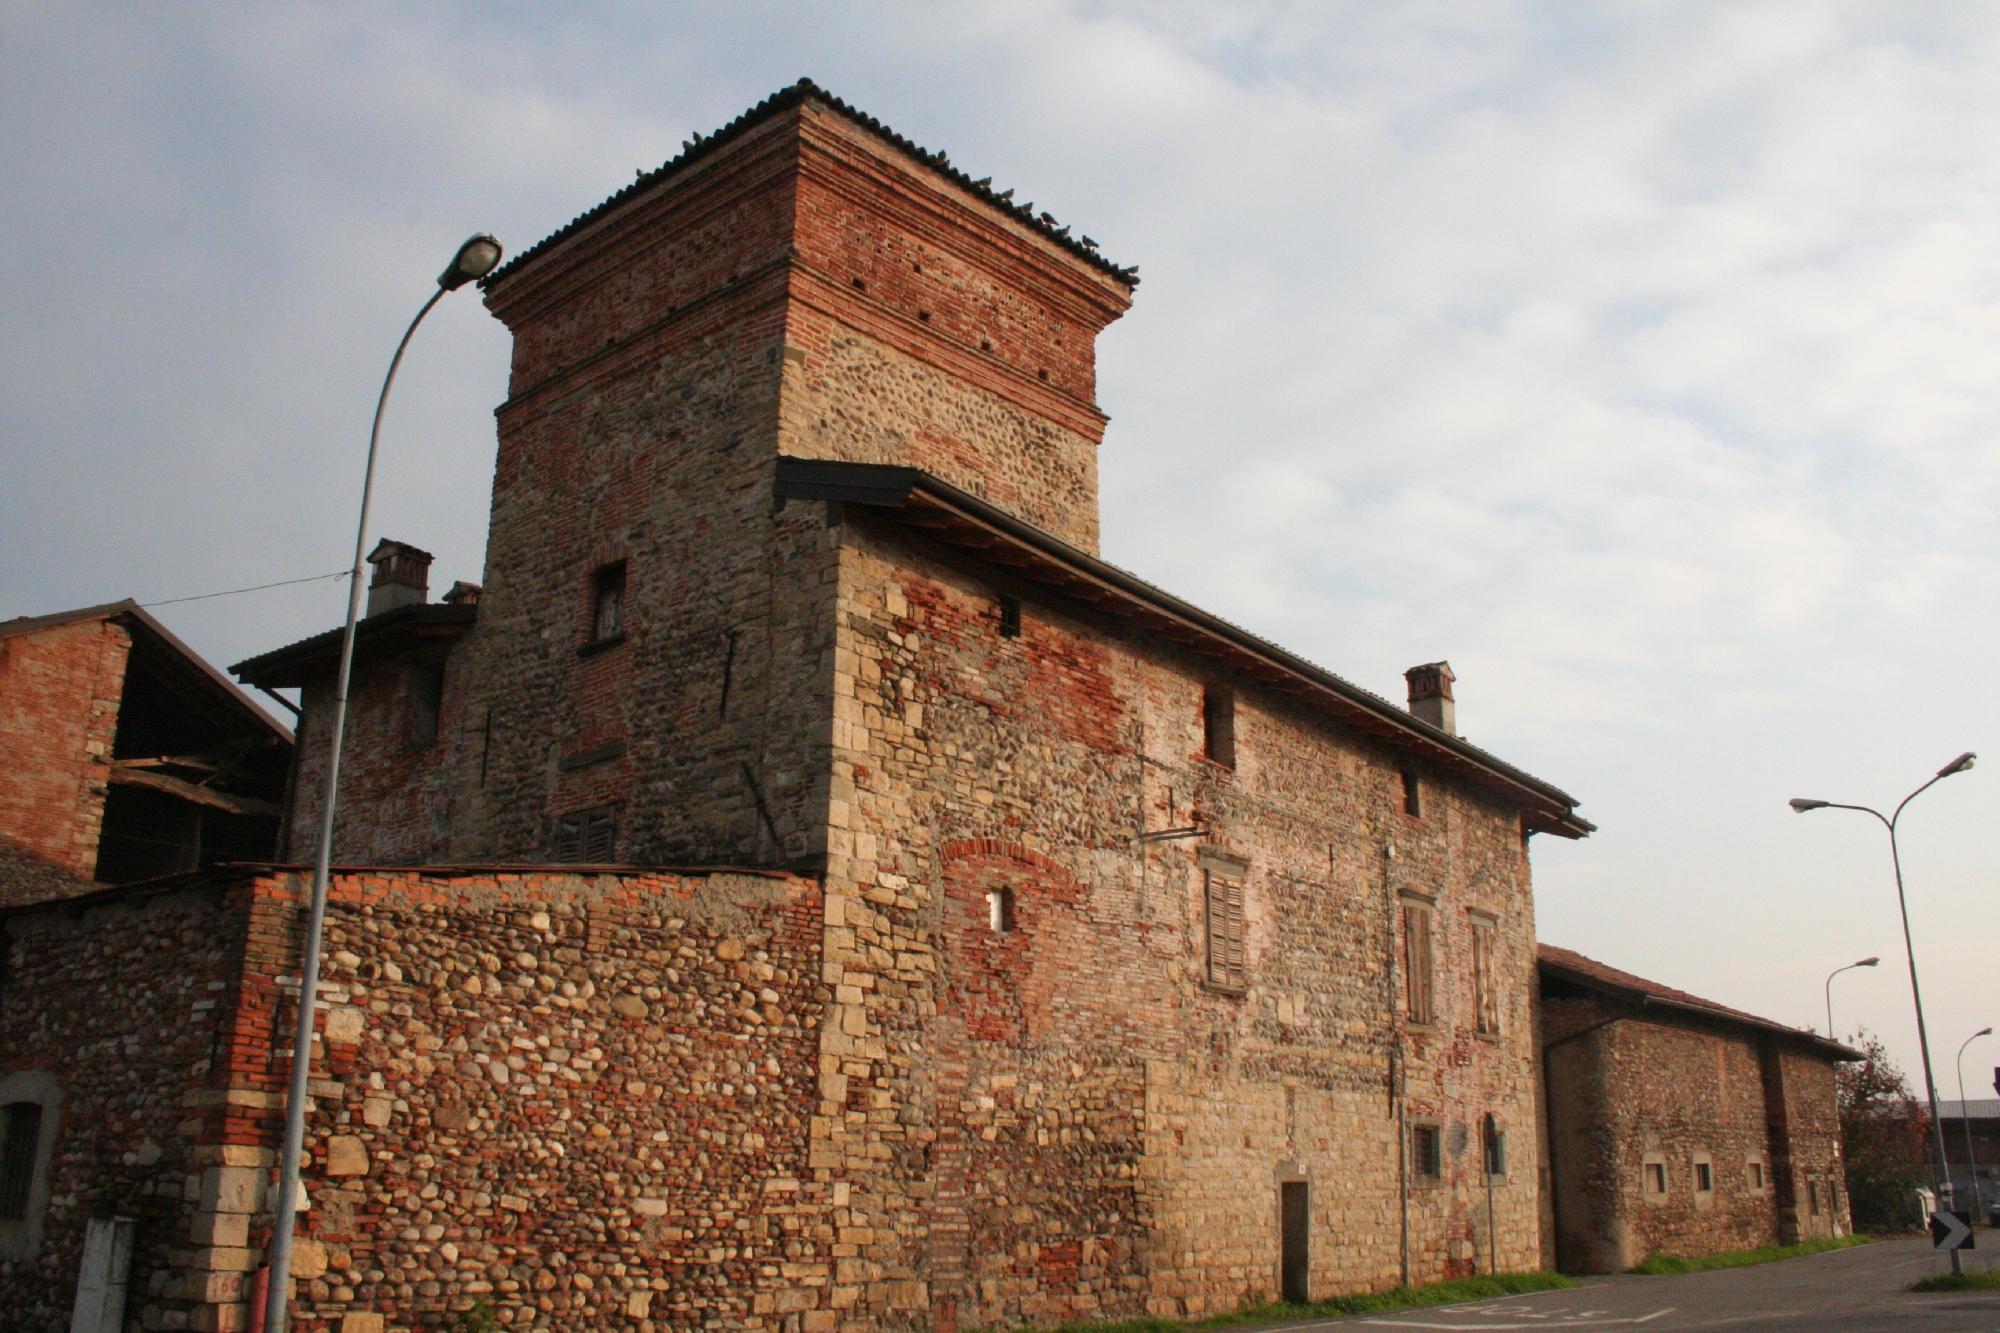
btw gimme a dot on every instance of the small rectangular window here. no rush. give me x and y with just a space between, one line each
1704 1178
20 1140
1224 894
588 837
1656 1178
1000 911
1754 1173
1010 617
1812 1195
1413 794
607 603
1426 1152
1417 962
1218 725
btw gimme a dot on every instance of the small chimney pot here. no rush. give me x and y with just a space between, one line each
402 576
1430 695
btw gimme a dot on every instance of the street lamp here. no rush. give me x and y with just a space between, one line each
1965 1118
1800 805
1866 962
474 260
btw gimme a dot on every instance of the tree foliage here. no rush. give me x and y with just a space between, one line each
1884 1132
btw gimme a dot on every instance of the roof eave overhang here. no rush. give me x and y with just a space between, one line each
1642 998
957 518
308 660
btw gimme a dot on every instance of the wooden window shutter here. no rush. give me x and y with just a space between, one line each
1226 966
1417 961
1486 995
568 848
600 837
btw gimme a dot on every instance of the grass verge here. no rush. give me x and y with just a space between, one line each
1664 1265
1396 1298
1978 1279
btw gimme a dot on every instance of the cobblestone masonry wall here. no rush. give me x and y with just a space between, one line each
583 1098
1044 755
1656 1090
59 693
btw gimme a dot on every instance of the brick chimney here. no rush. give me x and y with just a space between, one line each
402 576
1430 695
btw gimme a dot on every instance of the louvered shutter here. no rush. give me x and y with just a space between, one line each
1225 932
568 848
600 837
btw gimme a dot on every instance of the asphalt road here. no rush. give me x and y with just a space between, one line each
1857 1289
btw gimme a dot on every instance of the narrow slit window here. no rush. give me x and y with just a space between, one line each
1218 725
1000 911
1413 794
20 1141
1010 617
426 701
607 603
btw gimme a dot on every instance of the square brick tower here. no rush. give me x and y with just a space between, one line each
802 283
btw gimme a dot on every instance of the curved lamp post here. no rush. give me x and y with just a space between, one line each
474 260
1801 804
1866 962
1965 1117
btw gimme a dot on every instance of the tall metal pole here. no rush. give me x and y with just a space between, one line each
1958 765
1965 1118
475 259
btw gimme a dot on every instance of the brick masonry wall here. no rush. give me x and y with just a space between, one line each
127 1004
1049 752
59 694
1625 1092
583 1099
396 802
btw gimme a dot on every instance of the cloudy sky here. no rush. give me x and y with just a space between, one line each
1638 358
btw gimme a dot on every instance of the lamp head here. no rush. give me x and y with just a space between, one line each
1983 1032
1868 962
1801 804
1958 765
475 259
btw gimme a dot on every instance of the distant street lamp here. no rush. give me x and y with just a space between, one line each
1965 1118
1866 962
474 260
1802 804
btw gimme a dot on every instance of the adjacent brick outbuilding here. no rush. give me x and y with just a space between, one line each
1680 1126
127 755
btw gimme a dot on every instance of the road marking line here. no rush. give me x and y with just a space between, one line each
1599 1323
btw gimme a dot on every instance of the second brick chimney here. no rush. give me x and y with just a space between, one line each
402 576
1430 695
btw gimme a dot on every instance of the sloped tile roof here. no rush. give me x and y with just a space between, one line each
700 146
1591 974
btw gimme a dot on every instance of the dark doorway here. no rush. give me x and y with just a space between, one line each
1297 1224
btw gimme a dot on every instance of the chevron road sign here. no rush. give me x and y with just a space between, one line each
1951 1230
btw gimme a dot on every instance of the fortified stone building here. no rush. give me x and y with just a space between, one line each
805 886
